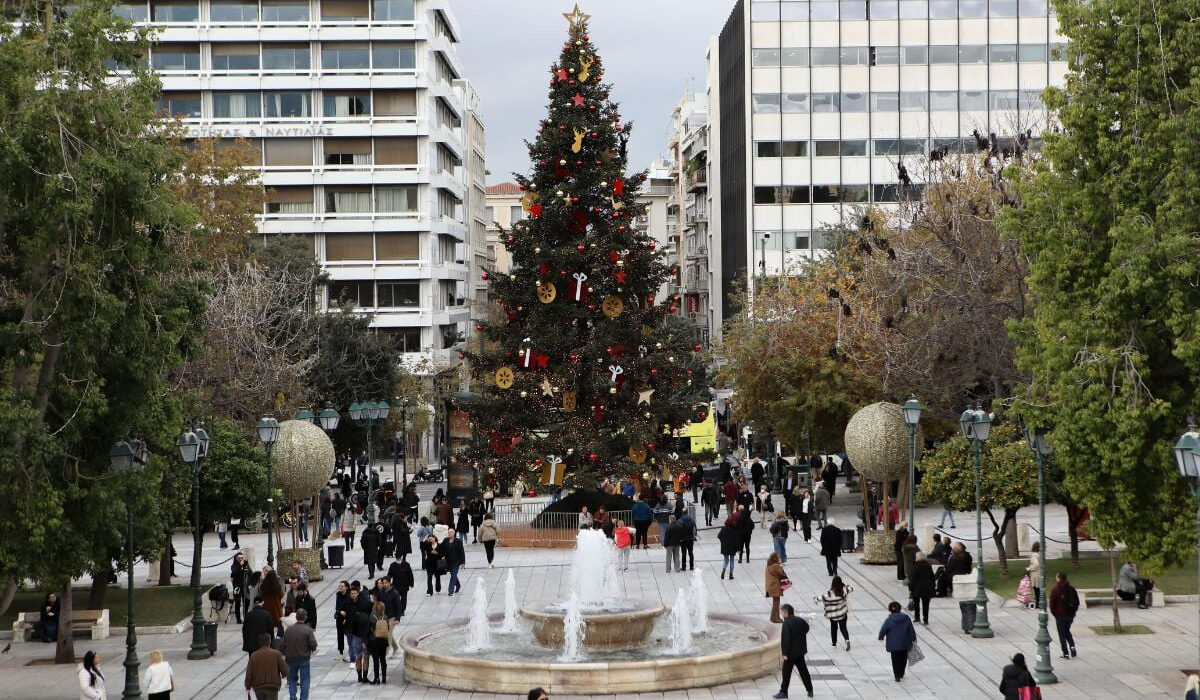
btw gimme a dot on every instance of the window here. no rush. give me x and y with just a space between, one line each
235 56
175 12
226 11
791 194
407 340
885 55
448 206
345 10
794 57
1030 100
285 10
886 147
357 294
854 147
1031 8
795 149
1003 99
236 105
1003 53
972 9
914 9
392 10
795 103
446 116
834 194
179 104
400 55
766 104
347 200
885 193
764 12
883 9
447 161
912 147
515 214
825 56
350 105
396 199
395 150
397 246
795 240
914 55
943 54
943 9
290 200
854 102
855 56
825 102
288 152
344 56
396 103
856 9
347 151
395 294
914 101
1003 8
943 100
827 149
288 104
976 53
175 57
971 100
286 57
885 101
821 11
1031 53
134 12
1058 52
766 149
764 58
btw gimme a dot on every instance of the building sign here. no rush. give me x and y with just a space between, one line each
253 132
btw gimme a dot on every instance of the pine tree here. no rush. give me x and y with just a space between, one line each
585 363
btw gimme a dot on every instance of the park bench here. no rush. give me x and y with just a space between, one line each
93 623
1104 596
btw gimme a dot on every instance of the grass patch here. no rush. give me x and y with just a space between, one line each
156 605
1109 630
1092 573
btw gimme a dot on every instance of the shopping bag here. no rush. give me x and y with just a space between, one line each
915 655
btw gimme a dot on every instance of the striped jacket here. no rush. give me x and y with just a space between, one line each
836 606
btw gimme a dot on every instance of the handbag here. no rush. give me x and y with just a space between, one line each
442 565
785 584
912 604
1029 692
915 655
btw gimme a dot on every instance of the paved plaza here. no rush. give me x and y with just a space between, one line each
956 666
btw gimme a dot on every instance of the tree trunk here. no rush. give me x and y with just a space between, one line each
164 563
998 538
1074 515
312 541
1011 546
98 595
1112 571
866 506
6 598
64 651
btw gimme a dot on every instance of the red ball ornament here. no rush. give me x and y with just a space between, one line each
613 257
574 357
608 350
462 356
581 247
574 200
689 372
593 457
593 108
674 308
654 372
598 163
591 307
521 187
562 273
697 348
484 276
653 245
579 162
621 228
570 82
511 240
650 446
595 134
618 127
478 327
562 127
585 37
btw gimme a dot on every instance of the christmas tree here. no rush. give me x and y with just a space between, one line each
585 372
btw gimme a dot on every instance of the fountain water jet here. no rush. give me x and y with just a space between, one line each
699 603
510 605
479 633
681 625
573 630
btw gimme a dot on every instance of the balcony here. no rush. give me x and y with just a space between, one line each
697 180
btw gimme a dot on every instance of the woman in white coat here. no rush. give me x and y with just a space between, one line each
91 680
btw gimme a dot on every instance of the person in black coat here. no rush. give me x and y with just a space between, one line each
731 544
304 601
793 643
239 577
831 546
745 528
401 537
829 476
921 587
258 621
370 547
1014 677
340 605
456 556
433 567
902 534
401 575
756 474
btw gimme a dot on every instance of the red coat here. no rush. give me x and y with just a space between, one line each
731 491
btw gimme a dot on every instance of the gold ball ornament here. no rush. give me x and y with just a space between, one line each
637 453
505 377
303 459
612 306
546 292
876 441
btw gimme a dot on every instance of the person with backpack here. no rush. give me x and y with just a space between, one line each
377 645
1064 603
836 602
1014 677
779 534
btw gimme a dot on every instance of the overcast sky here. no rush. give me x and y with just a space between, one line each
653 52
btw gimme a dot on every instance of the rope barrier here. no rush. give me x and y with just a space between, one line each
206 567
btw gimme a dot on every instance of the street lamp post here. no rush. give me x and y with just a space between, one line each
367 414
193 447
977 427
327 420
912 416
1043 671
268 433
127 456
1187 459
404 407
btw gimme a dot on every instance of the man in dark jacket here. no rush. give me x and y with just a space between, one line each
304 601
687 541
266 669
921 588
643 515
1014 677
1064 603
401 576
671 544
456 556
370 547
793 642
745 529
712 503
239 576
756 474
831 546
730 491
258 621
697 479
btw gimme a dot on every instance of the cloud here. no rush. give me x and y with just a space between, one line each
653 51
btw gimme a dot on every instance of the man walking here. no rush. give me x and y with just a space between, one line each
756 475
1064 603
391 609
697 482
266 670
258 622
299 644
712 502
821 504
452 549
831 547
671 543
793 642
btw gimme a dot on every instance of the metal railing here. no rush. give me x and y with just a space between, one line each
528 523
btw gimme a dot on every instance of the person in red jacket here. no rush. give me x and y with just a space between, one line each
730 491
623 538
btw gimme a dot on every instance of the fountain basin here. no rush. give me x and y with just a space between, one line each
627 624
621 672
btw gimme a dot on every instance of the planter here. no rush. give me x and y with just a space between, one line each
310 559
877 547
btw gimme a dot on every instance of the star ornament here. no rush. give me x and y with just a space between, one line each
578 100
576 19
644 396
547 388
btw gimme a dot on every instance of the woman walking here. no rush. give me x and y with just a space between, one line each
91 680
731 544
160 679
762 503
1014 677
836 602
898 637
489 534
745 526
271 592
779 535
381 632
477 511
921 587
775 577
350 526
908 553
432 565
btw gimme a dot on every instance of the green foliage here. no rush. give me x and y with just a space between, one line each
1113 344
1008 473
234 481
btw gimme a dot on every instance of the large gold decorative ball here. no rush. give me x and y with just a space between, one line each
877 441
303 459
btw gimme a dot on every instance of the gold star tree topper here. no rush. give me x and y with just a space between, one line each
576 19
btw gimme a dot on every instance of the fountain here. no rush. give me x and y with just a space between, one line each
595 642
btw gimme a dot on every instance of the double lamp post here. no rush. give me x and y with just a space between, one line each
128 457
976 427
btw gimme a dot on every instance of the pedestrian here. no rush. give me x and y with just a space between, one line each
947 512
265 669
1014 677
687 541
762 504
836 602
1064 603
584 520
258 621
221 528
306 602
898 549
537 694
378 644
462 523
350 526
670 543
898 636
831 546
829 477
235 524
302 512
793 642
477 511
731 544
921 588
392 603
623 539
340 621
271 592
779 534
456 557
434 565
1192 690
756 474
908 553
893 514
91 678
1035 572
239 580
776 582
711 498
698 483
745 526
643 515
299 644
1130 585
359 631
663 512
958 563
401 537
730 492
489 534
489 498
160 678
370 547
518 492
940 551
821 500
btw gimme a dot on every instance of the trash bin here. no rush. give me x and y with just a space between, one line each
847 540
967 608
336 555
210 636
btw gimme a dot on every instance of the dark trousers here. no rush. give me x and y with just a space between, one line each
233 534
378 649
709 514
1143 586
745 548
403 599
689 556
921 609
834 625
900 566
340 623
430 579
695 493
806 526
489 547
372 564
1065 638
641 530
801 668
831 562
899 662
349 537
